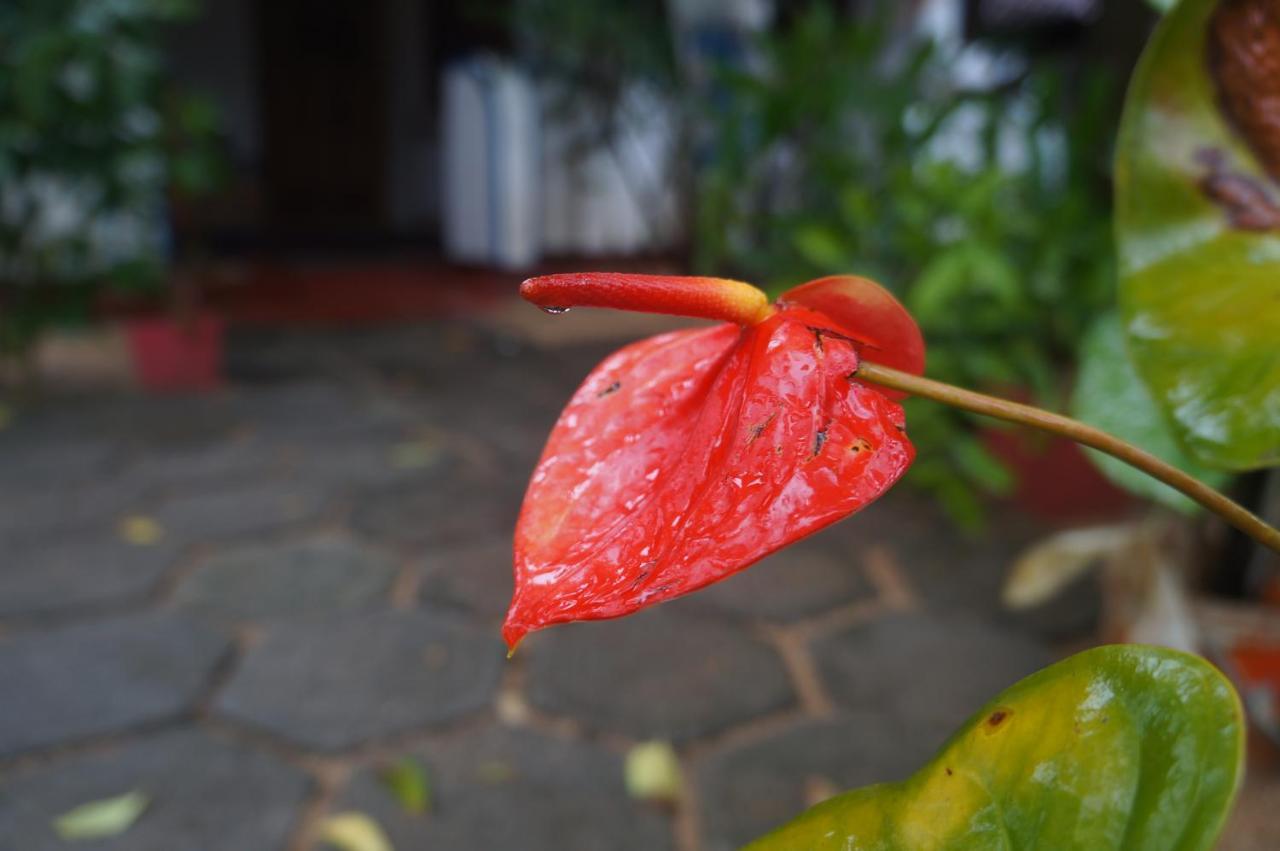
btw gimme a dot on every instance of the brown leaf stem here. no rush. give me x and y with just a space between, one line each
979 403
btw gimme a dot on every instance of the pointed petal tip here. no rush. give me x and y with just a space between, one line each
512 635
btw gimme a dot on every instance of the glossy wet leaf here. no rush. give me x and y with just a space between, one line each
1110 395
1120 748
101 819
689 456
1198 230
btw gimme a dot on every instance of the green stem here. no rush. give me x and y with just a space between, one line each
979 403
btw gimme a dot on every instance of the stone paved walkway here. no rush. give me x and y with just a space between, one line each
247 604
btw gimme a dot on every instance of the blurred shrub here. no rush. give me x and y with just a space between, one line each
595 50
92 136
851 149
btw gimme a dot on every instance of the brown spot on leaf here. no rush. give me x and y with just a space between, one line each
1244 62
997 719
949 771
1246 200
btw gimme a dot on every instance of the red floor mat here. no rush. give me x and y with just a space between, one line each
348 293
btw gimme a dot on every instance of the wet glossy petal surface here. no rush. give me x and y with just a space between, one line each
869 313
688 456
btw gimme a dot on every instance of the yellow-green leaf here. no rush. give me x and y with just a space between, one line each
652 772
101 819
353 831
415 454
140 530
1198 233
407 781
1119 748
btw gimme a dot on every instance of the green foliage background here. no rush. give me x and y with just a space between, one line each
849 151
92 137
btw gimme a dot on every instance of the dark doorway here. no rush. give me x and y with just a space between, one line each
323 107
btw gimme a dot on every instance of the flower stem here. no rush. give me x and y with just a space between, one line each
979 403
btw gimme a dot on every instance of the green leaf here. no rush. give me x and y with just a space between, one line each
407 781
1121 747
981 466
822 247
101 819
1110 395
1199 294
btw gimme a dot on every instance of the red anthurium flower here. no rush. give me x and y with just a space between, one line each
688 456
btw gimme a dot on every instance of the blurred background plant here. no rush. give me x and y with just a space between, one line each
610 80
93 136
595 52
855 149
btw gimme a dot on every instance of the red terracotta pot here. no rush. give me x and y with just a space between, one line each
173 355
1256 665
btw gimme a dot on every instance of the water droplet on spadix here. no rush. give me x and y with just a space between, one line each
554 311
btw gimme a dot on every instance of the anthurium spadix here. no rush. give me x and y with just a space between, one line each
688 456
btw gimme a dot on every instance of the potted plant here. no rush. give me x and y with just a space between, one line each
685 457
93 139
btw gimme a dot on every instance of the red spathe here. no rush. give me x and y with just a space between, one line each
688 456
